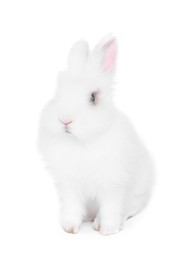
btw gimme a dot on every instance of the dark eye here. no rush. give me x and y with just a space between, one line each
93 97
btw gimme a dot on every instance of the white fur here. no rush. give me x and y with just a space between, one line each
101 169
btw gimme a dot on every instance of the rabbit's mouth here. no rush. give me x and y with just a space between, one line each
67 130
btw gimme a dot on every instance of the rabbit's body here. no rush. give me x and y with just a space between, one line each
101 169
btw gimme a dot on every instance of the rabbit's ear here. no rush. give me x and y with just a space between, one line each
78 57
107 50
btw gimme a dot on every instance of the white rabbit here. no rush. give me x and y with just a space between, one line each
101 169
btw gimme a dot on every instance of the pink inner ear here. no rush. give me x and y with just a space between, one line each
110 55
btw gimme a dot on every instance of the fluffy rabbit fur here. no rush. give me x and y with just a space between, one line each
101 169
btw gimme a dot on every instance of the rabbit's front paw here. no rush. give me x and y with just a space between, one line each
71 216
71 227
71 223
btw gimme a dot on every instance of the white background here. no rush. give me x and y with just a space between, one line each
156 88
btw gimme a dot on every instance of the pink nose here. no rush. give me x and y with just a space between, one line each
67 122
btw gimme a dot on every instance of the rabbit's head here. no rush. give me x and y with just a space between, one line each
82 107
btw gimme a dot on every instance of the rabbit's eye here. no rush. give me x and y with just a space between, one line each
93 97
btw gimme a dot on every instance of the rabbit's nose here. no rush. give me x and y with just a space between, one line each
67 122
